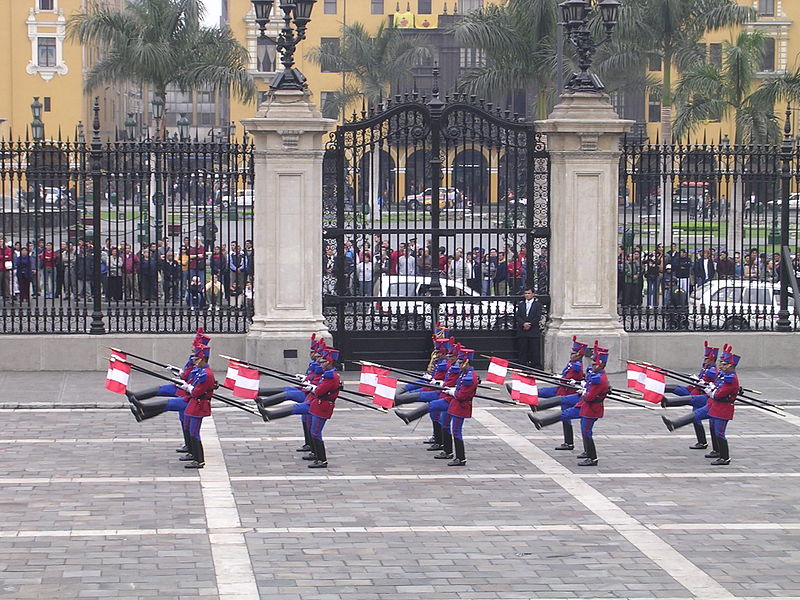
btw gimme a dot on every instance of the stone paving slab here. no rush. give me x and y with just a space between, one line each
156 566
461 565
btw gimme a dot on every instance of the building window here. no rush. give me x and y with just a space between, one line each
467 6
654 108
46 52
766 8
328 108
424 7
329 7
329 47
768 62
47 104
472 58
47 5
376 7
715 54
654 63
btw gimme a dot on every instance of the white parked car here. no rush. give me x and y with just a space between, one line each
737 304
242 199
471 309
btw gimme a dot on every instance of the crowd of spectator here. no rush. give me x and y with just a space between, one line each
194 274
492 272
654 277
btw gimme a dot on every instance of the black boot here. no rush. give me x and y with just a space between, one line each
461 458
714 446
312 450
412 414
143 395
540 422
546 403
150 409
569 442
406 398
136 413
276 412
272 400
322 458
307 445
700 432
724 453
437 438
190 455
591 453
199 456
264 392
447 446
679 401
670 389
187 441
674 424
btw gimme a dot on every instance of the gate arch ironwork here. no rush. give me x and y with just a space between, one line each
434 210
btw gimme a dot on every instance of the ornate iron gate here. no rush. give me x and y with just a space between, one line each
433 211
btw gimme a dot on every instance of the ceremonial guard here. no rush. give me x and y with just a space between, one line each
198 390
171 397
460 408
565 396
721 405
319 404
695 395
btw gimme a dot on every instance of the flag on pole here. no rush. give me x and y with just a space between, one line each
231 375
246 385
385 388
654 385
369 378
636 377
119 373
498 369
524 389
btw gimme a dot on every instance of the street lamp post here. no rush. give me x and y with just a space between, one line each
158 198
787 153
575 17
37 131
296 16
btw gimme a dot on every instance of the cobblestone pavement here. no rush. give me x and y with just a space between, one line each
95 505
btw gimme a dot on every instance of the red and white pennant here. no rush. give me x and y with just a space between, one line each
119 372
498 370
524 389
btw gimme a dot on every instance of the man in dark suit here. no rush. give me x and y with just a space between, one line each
529 333
704 268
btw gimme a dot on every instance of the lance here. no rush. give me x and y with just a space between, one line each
223 399
612 394
550 378
145 359
687 377
413 374
290 379
437 386
743 397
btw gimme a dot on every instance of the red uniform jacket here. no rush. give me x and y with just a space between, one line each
720 404
597 388
466 386
706 375
200 397
323 398
573 370
450 380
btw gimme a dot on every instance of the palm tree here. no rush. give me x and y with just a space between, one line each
370 63
518 41
160 43
670 31
714 92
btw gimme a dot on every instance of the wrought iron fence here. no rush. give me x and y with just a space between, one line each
700 235
125 236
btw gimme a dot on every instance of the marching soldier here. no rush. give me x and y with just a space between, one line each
566 397
721 405
460 408
695 395
198 388
319 405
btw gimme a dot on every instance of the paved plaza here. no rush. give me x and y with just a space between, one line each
95 505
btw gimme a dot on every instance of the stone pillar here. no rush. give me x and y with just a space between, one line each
288 136
583 136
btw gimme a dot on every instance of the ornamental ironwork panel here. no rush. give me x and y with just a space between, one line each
433 211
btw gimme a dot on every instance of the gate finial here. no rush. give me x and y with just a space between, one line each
435 90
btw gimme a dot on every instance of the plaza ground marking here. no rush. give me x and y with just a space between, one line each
234 570
677 566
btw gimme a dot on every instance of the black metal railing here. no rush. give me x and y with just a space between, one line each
125 236
700 235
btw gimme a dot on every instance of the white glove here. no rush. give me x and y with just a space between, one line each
451 391
709 389
571 381
187 387
427 377
695 379
310 388
299 377
582 387
176 371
